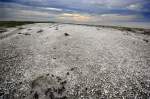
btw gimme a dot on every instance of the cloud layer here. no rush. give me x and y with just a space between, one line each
80 11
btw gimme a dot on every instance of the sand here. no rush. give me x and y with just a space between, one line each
66 61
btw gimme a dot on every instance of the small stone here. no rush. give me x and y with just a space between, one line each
52 75
59 79
68 73
54 57
27 34
145 40
66 34
39 31
47 74
86 88
20 82
63 83
72 69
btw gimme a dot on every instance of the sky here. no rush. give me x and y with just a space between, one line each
127 12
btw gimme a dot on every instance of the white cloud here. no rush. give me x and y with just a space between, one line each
52 9
136 6
18 11
16 14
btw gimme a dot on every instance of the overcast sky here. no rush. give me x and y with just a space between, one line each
78 11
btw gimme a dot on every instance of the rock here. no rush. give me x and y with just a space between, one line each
66 34
40 31
145 40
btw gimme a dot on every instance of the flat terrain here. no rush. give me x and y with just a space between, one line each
66 61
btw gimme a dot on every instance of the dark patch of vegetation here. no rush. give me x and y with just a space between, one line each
146 32
55 91
8 24
134 30
123 28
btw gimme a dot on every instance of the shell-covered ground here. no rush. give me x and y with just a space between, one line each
64 61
